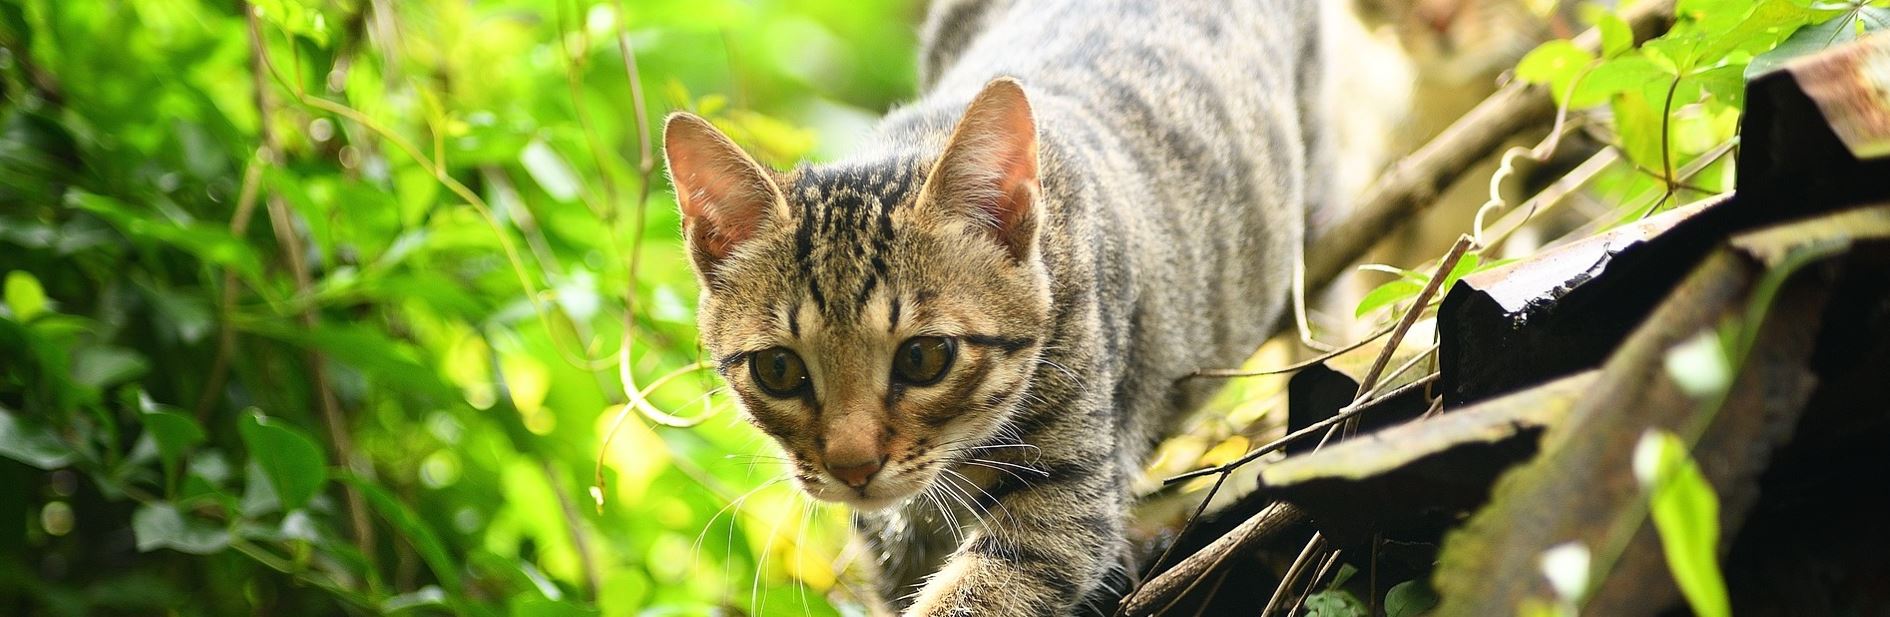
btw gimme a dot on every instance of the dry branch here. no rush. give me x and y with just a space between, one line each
1170 584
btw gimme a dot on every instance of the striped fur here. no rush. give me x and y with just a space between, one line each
1143 228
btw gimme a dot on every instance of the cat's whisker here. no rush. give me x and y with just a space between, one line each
756 601
800 542
1004 466
1008 472
944 511
736 503
1035 453
986 517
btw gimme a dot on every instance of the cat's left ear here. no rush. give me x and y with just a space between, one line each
988 172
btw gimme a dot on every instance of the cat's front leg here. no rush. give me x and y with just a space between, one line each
1042 549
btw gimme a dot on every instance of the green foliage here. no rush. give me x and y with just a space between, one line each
1334 601
1672 103
1410 599
465 182
293 462
1686 512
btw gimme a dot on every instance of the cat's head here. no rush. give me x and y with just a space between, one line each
879 317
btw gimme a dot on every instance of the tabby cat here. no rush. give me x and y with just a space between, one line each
975 329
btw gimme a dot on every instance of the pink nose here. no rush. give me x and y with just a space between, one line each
855 475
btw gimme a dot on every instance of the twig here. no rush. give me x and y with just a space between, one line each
226 302
291 245
1318 575
1292 573
1347 413
1256 528
1222 373
1216 588
574 524
1548 198
1444 267
1186 527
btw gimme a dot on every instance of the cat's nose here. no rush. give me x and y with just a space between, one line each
855 473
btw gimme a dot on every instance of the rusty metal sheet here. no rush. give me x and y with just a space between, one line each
1851 85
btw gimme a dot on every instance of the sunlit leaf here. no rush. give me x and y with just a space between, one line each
1556 63
1686 512
1640 126
1813 39
24 296
550 171
1386 294
1613 77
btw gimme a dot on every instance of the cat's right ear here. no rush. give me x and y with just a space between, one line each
988 171
725 195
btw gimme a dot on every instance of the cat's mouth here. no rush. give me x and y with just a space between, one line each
890 488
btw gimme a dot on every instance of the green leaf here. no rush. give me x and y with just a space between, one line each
527 606
294 463
1464 267
160 525
550 171
31 444
1335 603
24 296
1763 26
1556 63
1726 84
174 433
1614 77
1638 122
1686 512
1386 294
1410 599
368 350
1806 41
208 243
428 596
414 529
102 366
1616 36
294 17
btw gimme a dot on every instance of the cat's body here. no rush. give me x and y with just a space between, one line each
1071 249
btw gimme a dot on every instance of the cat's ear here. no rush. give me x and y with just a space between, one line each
725 195
988 172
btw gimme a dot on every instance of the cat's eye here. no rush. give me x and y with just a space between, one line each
778 371
922 360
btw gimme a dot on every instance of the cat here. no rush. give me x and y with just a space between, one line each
974 330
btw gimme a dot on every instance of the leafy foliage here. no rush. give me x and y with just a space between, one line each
423 214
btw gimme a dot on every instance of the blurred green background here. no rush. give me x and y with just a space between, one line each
460 183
